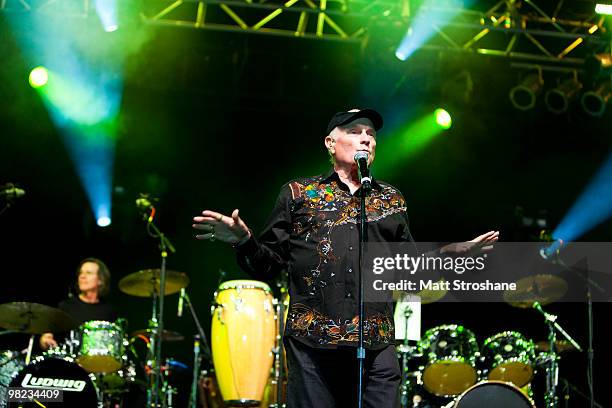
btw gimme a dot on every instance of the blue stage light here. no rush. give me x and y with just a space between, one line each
593 207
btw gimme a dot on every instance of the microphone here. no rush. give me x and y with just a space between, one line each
145 205
179 311
361 158
552 250
10 192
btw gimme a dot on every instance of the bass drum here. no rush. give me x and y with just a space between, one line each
57 374
496 394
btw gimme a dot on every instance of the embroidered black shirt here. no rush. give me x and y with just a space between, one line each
313 233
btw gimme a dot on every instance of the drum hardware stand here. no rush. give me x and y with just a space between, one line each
200 344
407 352
572 388
29 350
279 359
552 371
193 401
365 189
156 324
582 273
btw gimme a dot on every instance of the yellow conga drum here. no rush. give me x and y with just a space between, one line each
243 337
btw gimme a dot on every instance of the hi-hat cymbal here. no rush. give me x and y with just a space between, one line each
34 318
145 283
543 289
560 346
167 335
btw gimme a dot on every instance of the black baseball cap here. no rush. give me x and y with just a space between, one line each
342 118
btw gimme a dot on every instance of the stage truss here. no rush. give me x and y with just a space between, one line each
549 32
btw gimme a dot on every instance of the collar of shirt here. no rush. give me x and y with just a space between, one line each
332 175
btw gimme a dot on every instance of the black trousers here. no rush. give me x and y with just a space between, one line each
325 378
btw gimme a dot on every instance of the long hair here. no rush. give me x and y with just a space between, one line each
103 275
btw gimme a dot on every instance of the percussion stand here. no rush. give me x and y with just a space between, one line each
365 189
157 321
552 371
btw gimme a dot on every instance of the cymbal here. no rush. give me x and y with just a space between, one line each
145 283
431 295
167 335
543 289
560 346
34 318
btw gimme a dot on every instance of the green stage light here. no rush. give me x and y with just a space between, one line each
603 8
443 118
39 77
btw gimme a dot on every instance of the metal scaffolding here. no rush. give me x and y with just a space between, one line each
542 31
343 20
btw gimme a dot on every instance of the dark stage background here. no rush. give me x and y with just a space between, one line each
222 120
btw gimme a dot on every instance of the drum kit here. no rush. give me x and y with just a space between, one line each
97 364
447 368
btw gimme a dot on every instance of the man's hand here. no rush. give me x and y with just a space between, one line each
217 226
481 243
47 341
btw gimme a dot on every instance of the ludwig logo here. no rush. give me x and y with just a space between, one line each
55 383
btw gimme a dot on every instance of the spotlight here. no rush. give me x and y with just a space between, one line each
443 118
557 99
523 96
38 77
108 14
594 102
103 221
603 8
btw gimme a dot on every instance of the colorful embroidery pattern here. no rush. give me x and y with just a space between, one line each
304 321
326 206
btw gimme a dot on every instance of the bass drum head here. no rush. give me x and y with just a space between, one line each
496 394
61 374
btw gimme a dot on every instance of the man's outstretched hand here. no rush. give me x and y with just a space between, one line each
216 226
481 243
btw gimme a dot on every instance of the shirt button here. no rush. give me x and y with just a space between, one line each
350 248
352 227
348 295
349 270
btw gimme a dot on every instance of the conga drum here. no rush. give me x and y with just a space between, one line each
243 337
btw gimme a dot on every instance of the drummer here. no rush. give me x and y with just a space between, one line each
93 284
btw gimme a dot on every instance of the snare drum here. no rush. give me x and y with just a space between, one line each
243 337
496 394
450 352
509 356
102 346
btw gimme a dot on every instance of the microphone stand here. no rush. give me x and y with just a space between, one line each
552 377
582 273
366 188
158 321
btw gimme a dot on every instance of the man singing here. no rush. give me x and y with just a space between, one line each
313 232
